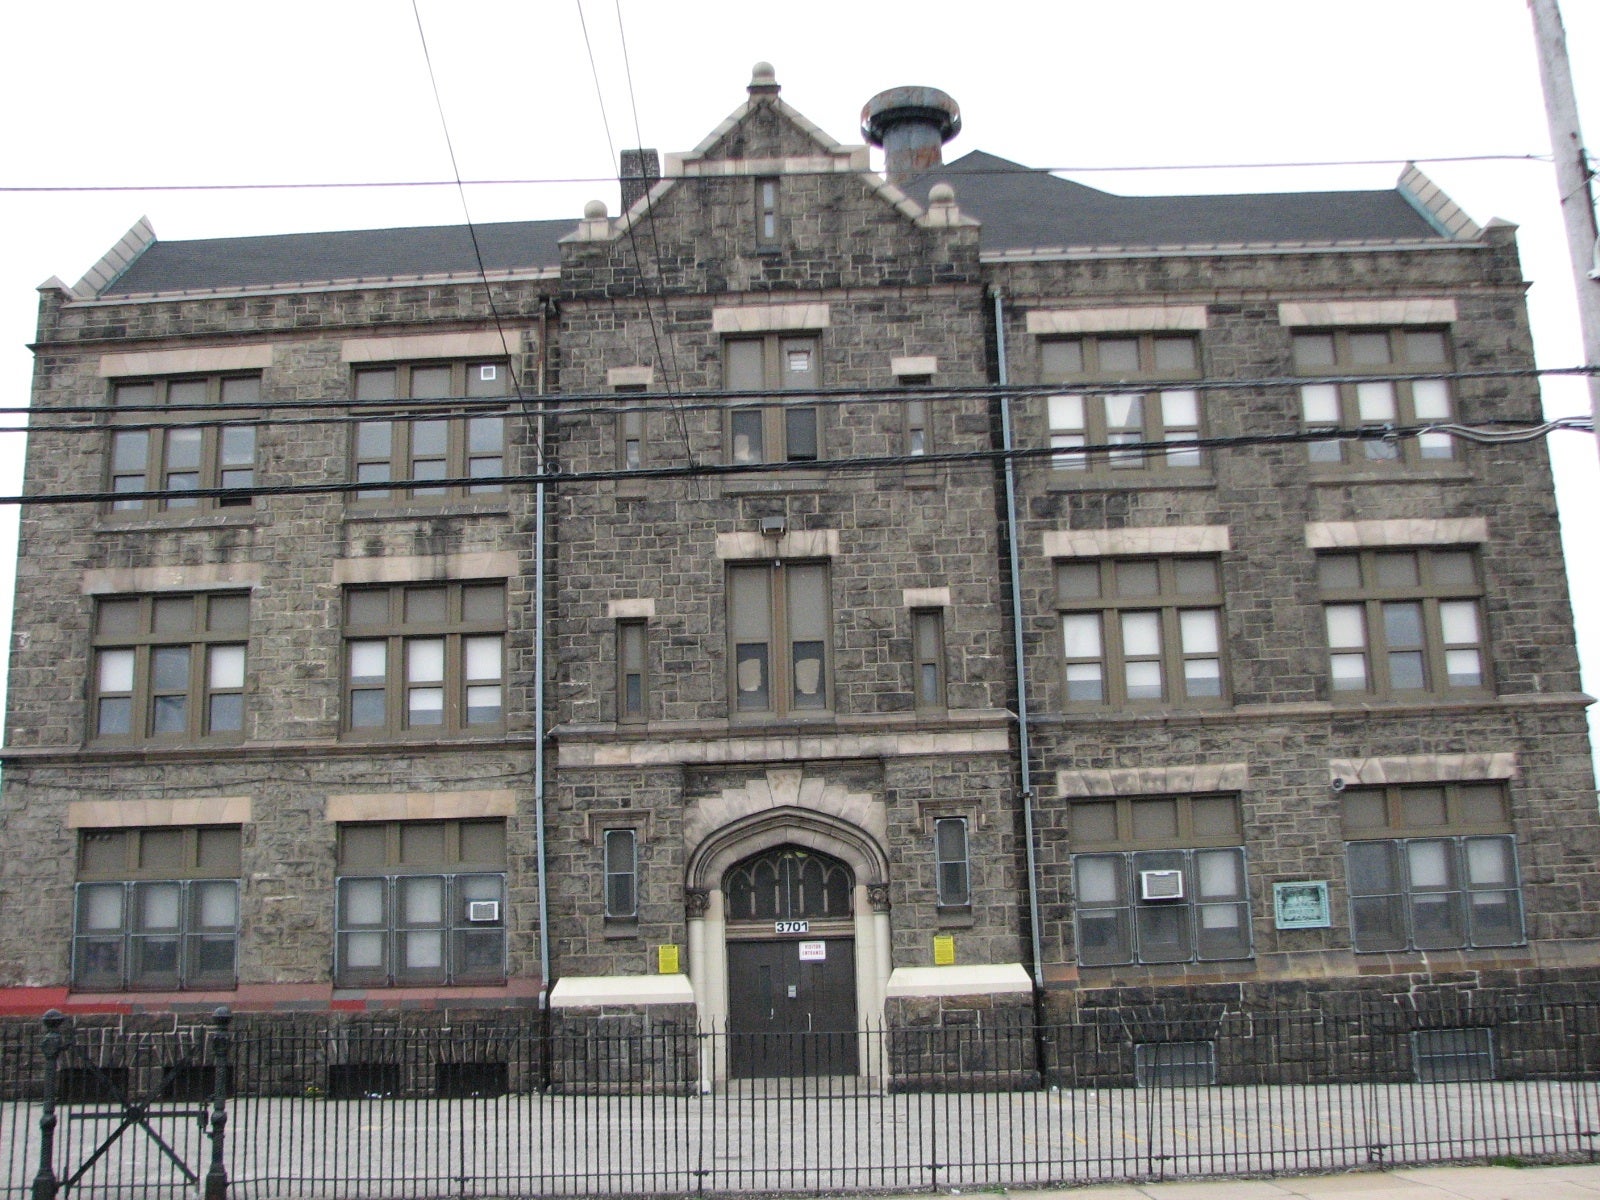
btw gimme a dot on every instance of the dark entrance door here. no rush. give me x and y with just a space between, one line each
791 965
788 1016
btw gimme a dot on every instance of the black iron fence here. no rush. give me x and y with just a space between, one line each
505 1108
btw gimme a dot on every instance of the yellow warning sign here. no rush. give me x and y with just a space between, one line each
667 960
944 950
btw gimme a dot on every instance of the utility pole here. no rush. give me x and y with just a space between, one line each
1573 180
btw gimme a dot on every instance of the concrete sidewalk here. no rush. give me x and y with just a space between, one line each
1572 1182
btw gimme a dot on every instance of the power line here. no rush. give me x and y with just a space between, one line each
344 410
554 180
472 231
864 464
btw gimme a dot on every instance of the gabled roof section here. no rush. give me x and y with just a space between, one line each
810 152
320 259
1023 209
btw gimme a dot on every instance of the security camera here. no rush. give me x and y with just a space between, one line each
1338 785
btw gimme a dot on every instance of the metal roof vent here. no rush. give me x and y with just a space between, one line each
912 124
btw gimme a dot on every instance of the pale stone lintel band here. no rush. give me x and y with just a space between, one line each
1406 531
769 318
802 543
598 991
631 610
1145 318
206 577
1330 313
142 814
421 806
481 564
932 597
1160 539
921 364
1154 781
631 377
197 361
432 345
1422 768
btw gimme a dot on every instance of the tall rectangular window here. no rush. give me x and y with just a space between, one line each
1160 879
1431 867
783 432
1141 630
1128 407
767 211
424 659
779 627
927 631
156 908
952 862
187 445
1376 403
622 874
633 695
1403 621
420 902
170 667
420 424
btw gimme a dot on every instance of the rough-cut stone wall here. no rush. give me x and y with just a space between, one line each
1282 722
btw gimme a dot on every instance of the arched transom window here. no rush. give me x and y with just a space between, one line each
788 883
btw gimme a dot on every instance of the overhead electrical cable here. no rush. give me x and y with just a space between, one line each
344 410
859 464
535 181
477 250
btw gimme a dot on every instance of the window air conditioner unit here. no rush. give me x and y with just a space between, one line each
1161 885
479 911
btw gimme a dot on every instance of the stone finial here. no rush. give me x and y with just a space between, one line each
595 226
763 80
942 208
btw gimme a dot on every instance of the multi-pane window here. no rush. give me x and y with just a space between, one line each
178 451
424 659
421 902
156 908
631 447
1159 879
435 443
927 632
633 690
621 873
780 433
1375 403
778 625
1403 621
1128 407
1141 630
951 862
170 667
1431 867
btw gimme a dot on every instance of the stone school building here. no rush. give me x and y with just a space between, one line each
808 600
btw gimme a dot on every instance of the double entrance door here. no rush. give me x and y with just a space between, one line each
792 1007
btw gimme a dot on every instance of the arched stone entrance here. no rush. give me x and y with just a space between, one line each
723 865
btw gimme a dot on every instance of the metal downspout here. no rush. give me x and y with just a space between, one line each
538 660
1024 748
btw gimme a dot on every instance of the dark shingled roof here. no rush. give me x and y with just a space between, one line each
1021 209
354 254
1024 209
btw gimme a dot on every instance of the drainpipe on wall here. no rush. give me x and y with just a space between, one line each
1023 747
538 659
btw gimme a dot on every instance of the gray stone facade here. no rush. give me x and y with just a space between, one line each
896 288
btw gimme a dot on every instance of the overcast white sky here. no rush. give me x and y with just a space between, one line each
97 93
